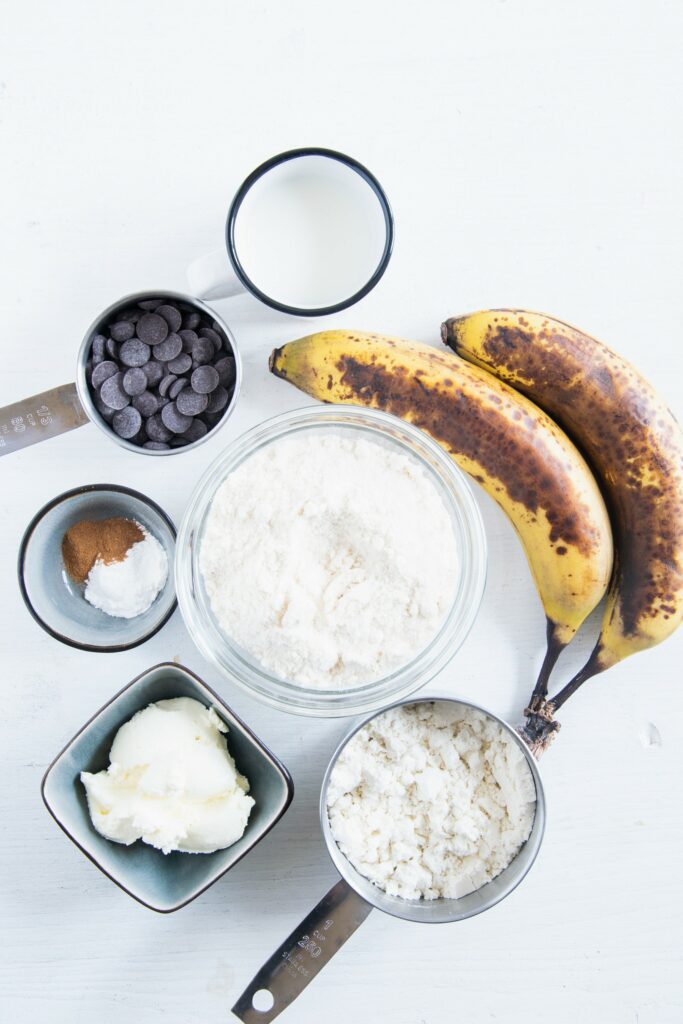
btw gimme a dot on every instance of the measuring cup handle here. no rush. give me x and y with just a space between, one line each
211 276
303 954
39 417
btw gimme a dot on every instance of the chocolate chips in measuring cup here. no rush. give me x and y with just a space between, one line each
161 374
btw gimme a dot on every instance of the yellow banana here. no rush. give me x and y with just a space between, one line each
508 445
632 442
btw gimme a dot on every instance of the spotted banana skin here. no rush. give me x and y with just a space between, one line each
633 444
504 442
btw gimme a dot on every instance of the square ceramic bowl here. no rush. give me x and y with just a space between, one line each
162 882
57 603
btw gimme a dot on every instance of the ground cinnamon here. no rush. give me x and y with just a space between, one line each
106 539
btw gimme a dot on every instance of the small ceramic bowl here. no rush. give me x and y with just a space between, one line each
56 602
162 882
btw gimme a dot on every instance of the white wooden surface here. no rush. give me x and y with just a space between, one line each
532 153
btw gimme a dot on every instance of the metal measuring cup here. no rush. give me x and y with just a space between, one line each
343 909
69 406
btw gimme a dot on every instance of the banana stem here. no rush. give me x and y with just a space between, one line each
588 670
540 728
553 650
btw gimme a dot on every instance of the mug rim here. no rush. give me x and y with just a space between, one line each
259 172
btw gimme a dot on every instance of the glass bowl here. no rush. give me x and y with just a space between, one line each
236 663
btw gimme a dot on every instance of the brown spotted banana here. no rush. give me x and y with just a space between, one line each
634 446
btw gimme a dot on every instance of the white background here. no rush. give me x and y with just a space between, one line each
532 153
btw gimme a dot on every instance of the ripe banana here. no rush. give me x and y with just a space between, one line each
510 447
635 447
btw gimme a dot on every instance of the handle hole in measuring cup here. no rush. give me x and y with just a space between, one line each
263 1000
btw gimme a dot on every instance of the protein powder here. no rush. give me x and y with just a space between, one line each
431 799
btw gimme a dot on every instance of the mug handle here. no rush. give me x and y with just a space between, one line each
303 954
41 416
212 277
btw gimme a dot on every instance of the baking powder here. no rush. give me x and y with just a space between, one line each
129 587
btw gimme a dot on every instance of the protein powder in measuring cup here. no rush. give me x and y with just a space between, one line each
431 800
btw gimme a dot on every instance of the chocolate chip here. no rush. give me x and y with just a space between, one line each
156 446
171 315
218 400
181 363
156 430
134 381
146 404
131 315
212 418
153 371
112 393
204 380
168 349
208 332
99 343
177 386
202 351
112 349
105 412
151 328
127 422
150 304
190 338
135 352
196 431
122 330
226 371
169 379
190 403
175 420
103 371
191 321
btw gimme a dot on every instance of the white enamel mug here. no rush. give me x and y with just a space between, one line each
309 232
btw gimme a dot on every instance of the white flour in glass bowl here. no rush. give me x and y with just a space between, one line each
331 560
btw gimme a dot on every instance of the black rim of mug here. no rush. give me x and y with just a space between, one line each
268 165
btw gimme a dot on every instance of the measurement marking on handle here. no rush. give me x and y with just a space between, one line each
304 953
